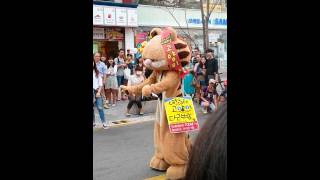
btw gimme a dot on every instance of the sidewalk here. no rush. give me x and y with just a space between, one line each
117 117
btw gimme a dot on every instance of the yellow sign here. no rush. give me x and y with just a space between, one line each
181 115
217 8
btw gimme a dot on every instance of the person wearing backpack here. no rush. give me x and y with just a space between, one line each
121 65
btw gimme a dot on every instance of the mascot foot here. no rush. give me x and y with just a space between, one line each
158 164
176 172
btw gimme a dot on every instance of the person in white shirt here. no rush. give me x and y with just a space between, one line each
135 79
97 88
103 71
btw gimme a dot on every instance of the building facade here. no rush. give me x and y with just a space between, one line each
188 23
114 24
124 24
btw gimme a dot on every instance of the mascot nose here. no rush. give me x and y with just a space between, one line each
147 62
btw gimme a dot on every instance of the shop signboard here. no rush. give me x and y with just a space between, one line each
121 16
132 17
98 15
109 16
115 16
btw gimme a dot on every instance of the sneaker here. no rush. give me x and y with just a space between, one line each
105 126
128 114
106 106
141 113
113 105
204 111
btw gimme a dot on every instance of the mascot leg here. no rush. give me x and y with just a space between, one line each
157 161
176 149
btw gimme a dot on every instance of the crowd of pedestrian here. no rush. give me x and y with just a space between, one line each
200 83
203 79
115 72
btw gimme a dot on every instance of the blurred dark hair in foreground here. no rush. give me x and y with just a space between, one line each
208 159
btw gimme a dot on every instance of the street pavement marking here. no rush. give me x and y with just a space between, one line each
161 177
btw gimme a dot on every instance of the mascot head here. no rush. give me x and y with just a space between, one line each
165 51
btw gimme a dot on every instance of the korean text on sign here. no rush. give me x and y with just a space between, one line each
181 115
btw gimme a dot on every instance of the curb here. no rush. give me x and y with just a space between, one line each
127 121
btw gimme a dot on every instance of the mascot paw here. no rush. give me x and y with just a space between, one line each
146 90
175 172
158 164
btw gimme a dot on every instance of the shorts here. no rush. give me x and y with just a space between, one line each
202 83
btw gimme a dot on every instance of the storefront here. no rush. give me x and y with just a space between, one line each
188 23
113 27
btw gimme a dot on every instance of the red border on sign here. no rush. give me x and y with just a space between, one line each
184 127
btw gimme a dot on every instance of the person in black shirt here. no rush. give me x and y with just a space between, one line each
211 64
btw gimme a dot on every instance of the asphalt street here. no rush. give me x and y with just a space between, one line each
123 153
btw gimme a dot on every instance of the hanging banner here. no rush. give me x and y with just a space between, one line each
132 17
121 17
140 37
98 15
109 16
181 115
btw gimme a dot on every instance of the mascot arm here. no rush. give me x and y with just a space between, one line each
138 88
171 80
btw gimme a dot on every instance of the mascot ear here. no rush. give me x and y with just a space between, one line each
173 33
155 31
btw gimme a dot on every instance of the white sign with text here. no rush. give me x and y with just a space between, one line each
109 16
98 15
121 17
132 17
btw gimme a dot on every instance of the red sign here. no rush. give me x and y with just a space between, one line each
186 127
141 37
